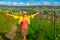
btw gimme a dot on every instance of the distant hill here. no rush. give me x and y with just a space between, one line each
20 7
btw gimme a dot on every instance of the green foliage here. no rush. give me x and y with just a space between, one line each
39 28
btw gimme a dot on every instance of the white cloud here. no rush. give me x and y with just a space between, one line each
2 3
14 3
5 3
46 3
21 4
27 4
18 4
56 2
8 3
35 4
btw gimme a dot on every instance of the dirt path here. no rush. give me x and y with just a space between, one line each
12 33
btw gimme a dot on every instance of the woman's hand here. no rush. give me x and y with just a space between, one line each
9 14
37 13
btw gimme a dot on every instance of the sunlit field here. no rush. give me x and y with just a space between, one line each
45 26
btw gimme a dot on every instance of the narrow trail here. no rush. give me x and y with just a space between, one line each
12 32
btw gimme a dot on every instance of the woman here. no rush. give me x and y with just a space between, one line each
24 20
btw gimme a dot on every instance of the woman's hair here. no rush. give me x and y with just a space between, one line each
24 11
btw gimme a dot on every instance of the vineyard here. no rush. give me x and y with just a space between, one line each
45 26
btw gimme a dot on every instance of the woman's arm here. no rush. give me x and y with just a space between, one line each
9 14
36 13
32 16
14 16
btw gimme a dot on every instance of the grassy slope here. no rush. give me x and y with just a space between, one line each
38 29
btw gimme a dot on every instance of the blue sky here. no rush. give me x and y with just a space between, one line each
29 2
